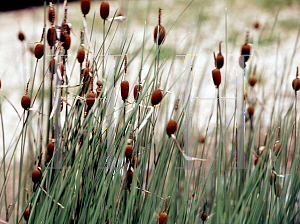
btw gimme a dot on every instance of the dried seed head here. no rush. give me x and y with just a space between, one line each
39 51
85 73
162 218
272 178
203 216
66 39
85 6
250 111
81 55
256 25
242 62
137 89
99 83
104 10
296 84
245 52
276 148
90 99
156 97
252 81
51 36
160 35
25 102
124 90
216 75
51 13
202 139
21 36
171 127
37 175
128 151
66 28
220 58
27 212
278 189
50 150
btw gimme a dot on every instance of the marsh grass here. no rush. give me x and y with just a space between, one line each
88 180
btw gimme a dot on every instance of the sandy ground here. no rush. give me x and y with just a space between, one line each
17 61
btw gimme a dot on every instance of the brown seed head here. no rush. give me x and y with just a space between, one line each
37 175
21 36
85 6
220 58
203 216
25 102
161 35
252 81
216 75
39 51
171 127
51 13
27 212
85 73
256 25
66 39
50 150
156 97
104 10
202 139
51 36
99 83
162 218
66 28
81 55
136 89
124 90
296 84
90 99
245 52
129 177
250 111
128 151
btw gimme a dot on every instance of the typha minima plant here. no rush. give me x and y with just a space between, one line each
25 101
104 13
163 216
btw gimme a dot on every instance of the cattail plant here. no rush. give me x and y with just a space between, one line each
21 36
251 111
85 6
81 55
246 49
25 101
216 74
162 218
39 51
51 36
51 13
104 13
252 79
136 90
220 58
159 31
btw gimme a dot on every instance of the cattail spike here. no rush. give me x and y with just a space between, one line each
159 16
247 37
26 91
51 14
220 47
165 208
215 59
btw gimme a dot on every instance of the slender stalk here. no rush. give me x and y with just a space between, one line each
3 145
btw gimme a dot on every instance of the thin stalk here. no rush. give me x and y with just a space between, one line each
103 75
3 145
